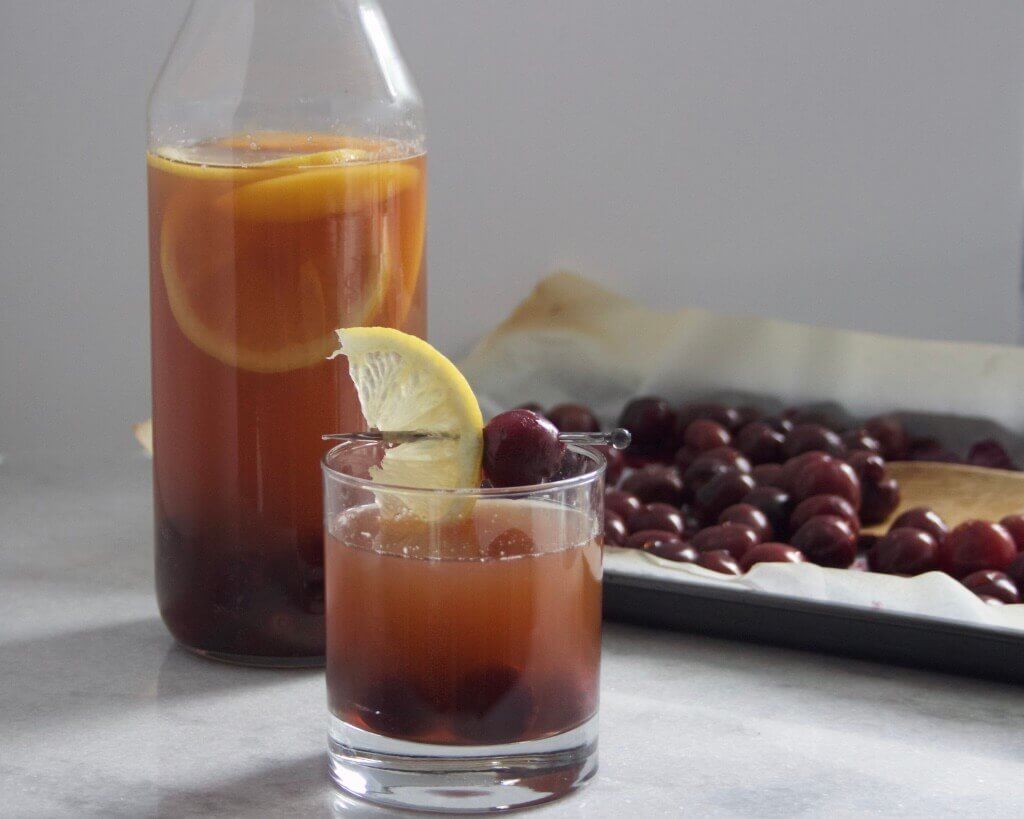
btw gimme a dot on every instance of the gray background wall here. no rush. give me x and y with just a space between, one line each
855 164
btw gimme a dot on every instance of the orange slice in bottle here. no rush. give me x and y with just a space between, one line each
260 280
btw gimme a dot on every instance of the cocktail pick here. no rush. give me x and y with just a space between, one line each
617 438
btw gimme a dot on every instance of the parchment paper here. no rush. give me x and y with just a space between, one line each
572 340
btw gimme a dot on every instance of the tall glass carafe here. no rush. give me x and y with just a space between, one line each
287 189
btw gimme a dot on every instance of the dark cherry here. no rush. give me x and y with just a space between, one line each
1014 524
683 458
760 443
990 583
750 516
991 454
860 440
866 542
794 466
903 551
733 538
521 448
827 478
869 466
976 545
812 438
691 522
747 414
878 500
704 434
728 417
719 560
661 516
572 465
395 707
889 431
651 422
811 415
723 490
573 418
766 474
668 549
923 518
655 483
775 504
492 704
711 463
1015 570
638 540
622 503
615 531
817 505
615 464
783 425
827 540
771 553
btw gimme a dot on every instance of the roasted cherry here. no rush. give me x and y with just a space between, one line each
859 439
975 545
573 418
827 540
990 583
812 438
668 549
827 478
719 560
775 504
766 474
869 466
704 434
622 503
904 551
824 505
655 483
923 518
771 553
637 540
615 463
615 530
749 515
723 490
521 448
991 454
889 431
1014 524
878 500
661 516
733 538
728 417
794 466
760 443
492 705
651 422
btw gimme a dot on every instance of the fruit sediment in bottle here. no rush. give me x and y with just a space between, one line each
260 247
485 631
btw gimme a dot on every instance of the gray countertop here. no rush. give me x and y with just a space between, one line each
101 714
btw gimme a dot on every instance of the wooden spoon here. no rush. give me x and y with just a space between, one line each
956 492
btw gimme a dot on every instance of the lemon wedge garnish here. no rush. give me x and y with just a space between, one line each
405 384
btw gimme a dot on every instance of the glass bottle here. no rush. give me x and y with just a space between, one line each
287 198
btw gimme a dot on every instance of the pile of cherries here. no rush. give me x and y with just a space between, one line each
727 487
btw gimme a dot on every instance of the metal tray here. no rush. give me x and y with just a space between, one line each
921 642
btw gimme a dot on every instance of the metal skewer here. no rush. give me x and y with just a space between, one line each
617 439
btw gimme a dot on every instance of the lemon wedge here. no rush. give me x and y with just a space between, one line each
405 384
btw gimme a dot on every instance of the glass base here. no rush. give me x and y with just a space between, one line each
258 662
459 778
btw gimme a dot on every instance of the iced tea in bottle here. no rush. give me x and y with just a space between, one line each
287 187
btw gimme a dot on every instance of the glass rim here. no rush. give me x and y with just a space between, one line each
597 458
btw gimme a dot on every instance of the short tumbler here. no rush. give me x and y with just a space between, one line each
463 636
